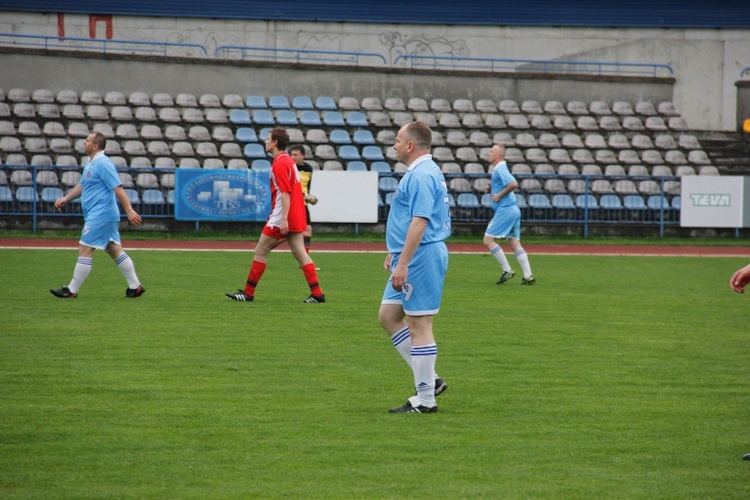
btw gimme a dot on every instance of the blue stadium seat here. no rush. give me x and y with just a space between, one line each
263 117
51 194
380 167
387 185
152 197
363 137
255 150
563 202
334 119
676 203
310 118
6 195
302 102
27 194
584 200
256 102
170 197
349 152
339 136
372 153
133 196
278 102
326 104
240 117
263 134
451 201
634 202
388 198
658 202
357 119
261 164
287 117
486 200
467 200
246 134
539 201
610 202
521 202
356 166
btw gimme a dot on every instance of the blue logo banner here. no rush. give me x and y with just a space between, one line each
222 195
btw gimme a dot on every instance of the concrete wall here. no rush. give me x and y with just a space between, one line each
706 62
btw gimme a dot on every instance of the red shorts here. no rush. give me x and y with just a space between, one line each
275 232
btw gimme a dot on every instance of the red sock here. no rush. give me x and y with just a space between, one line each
311 275
256 272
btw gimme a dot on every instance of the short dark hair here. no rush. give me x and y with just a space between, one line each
281 136
100 140
420 133
298 148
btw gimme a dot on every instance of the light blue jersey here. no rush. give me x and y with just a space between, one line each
98 198
422 192
501 177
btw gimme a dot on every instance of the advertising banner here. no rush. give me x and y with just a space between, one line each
715 201
204 195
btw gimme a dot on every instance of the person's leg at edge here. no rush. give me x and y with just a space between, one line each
83 267
497 252
521 256
264 246
297 245
423 357
124 263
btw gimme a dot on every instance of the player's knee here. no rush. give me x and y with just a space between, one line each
262 251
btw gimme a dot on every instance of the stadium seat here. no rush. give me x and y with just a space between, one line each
708 170
48 111
605 157
356 166
263 117
333 119
363 137
554 108
677 123
601 186
316 136
447 120
567 169
240 117
152 197
625 187
519 122
255 150
357 119
687 141
91 97
339 136
480 139
495 121
206 150
387 184
246 134
675 157
278 102
310 118
577 108
539 201
441 153
115 98
165 162
582 156
302 102
622 108
287 118
645 108
531 107
222 134
324 103
536 155
667 108
662 171
333 165
658 202
472 121
371 104
215 163
349 153
484 106
256 102
162 100
349 104
648 187
216 115
600 108
67 96
261 164
456 138
614 170
655 124
51 194
230 150
235 164
450 167
380 167
587 123
609 123
189 163
634 202
169 115
586 202
372 153
698 157
509 106
564 122
610 202
233 101
325 152
417 104
27 194
562 203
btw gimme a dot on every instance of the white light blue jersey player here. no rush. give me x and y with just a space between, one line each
501 177
99 179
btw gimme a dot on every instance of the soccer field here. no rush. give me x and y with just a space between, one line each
612 377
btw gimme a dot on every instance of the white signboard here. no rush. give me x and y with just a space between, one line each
715 201
344 196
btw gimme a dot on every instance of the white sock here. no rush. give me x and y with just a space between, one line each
423 360
523 261
402 342
127 269
80 273
499 255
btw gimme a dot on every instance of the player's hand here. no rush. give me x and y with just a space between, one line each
134 218
388 260
399 276
59 203
740 279
284 227
311 199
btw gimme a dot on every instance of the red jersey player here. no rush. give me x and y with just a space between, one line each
287 222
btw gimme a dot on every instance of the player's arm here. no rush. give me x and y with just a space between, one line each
72 195
122 197
285 204
507 189
413 238
740 279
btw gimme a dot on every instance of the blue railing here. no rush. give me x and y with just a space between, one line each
296 55
100 45
29 194
531 65
745 71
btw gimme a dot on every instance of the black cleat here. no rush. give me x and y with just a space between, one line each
63 293
529 281
408 408
313 299
240 296
132 293
505 277
746 456
440 386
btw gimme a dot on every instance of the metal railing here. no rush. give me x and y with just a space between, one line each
296 55
531 65
101 45
28 194
745 72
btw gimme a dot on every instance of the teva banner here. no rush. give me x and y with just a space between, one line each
242 195
715 201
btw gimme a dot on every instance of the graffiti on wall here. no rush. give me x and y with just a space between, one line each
399 44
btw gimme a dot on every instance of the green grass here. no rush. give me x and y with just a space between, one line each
612 377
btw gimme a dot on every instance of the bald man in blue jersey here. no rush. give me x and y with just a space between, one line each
418 224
